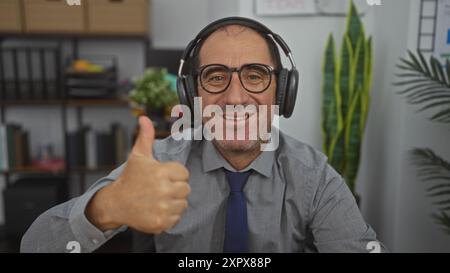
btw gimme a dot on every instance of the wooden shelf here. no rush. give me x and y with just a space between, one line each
32 103
97 102
74 35
93 170
162 134
35 170
32 170
70 102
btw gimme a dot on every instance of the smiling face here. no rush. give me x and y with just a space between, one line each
235 46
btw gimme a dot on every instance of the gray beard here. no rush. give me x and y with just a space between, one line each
239 146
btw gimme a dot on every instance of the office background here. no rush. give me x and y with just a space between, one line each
393 199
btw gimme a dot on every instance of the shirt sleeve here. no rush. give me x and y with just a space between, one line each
336 222
89 236
65 228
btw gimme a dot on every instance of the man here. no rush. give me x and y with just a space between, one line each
224 195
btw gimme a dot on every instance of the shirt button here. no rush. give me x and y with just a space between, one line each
95 241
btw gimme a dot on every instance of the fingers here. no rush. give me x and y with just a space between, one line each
144 141
175 171
163 224
177 206
180 190
174 219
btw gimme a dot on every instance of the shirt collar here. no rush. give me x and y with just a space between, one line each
213 160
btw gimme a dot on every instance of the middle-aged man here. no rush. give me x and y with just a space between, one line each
223 195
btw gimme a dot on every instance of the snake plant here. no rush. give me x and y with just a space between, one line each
427 84
346 93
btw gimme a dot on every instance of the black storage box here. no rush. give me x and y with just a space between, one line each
29 197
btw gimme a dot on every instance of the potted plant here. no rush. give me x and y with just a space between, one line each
153 95
346 93
427 84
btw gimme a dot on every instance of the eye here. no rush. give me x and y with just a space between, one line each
216 78
254 77
255 74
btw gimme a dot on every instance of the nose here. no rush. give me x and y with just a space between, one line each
236 94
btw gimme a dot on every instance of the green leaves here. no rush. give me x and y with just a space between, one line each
435 171
353 140
426 84
153 89
346 73
332 124
355 28
346 87
365 96
443 219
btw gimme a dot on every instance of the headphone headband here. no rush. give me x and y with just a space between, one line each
209 29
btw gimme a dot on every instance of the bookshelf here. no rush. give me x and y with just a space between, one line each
78 104
64 103
68 103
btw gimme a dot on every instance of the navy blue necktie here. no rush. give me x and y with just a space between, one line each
236 227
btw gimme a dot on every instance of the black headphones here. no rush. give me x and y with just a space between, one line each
287 82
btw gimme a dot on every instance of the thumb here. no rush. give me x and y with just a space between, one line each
144 141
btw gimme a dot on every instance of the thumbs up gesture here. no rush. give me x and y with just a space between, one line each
148 195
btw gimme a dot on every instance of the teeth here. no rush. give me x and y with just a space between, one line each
237 118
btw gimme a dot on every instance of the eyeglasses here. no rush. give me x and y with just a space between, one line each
216 78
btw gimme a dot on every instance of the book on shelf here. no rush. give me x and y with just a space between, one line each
86 148
91 149
91 154
119 143
3 149
75 144
14 147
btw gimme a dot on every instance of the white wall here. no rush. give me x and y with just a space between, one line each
174 22
220 8
382 158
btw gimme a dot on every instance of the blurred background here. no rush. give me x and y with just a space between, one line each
73 79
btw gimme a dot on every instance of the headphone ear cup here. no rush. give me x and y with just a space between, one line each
181 90
191 90
281 89
291 93
186 90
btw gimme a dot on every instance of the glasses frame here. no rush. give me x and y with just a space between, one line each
238 70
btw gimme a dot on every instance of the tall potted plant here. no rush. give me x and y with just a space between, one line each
427 84
345 97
